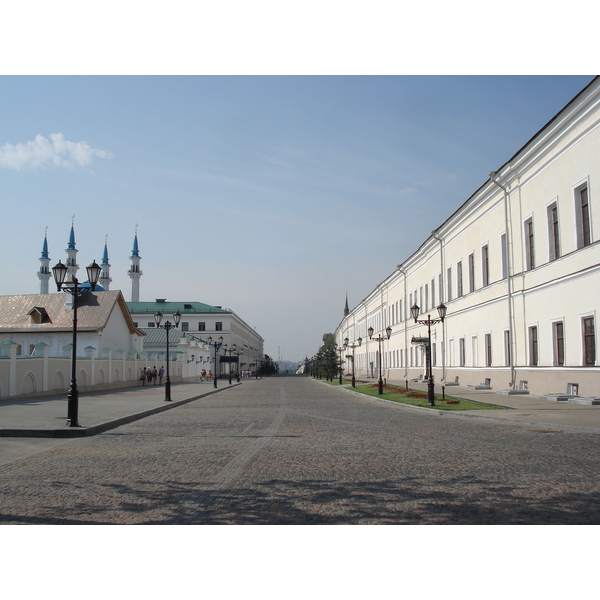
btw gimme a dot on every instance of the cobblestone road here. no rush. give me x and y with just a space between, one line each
289 450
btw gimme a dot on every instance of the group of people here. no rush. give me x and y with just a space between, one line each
206 376
152 375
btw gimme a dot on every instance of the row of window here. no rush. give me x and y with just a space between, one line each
414 356
185 326
425 297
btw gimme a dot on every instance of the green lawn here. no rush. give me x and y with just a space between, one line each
415 397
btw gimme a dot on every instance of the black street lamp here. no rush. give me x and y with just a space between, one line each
167 327
229 351
380 339
353 346
340 368
429 322
237 371
72 287
216 345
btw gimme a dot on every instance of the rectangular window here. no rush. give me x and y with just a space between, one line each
449 283
459 279
151 324
471 272
427 295
553 233
584 237
185 326
218 326
433 355
589 341
488 349
433 292
507 354
202 326
533 346
504 256
461 352
485 266
559 344
529 245
441 287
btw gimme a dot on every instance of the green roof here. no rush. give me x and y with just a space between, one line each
185 308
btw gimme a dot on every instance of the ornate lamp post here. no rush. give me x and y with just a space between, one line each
353 346
237 372
229 350
340 350
429 322
216 345
72 287
380 339
167 327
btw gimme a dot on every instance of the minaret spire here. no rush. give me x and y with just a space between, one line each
105 277
44 272
71 264
134 270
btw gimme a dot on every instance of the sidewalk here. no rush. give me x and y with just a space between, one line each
528 409
98 411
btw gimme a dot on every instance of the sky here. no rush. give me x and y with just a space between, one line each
270 195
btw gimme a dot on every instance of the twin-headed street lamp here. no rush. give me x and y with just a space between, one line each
76 290
216 345
415 310
167 327
353 346
229 350
379 338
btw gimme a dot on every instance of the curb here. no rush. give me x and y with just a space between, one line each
77 432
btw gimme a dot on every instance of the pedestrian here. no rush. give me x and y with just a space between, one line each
143 377
161 374
210 375
154 375
203 374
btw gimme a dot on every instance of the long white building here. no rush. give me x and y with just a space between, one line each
518 268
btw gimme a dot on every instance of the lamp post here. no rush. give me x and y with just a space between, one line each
216 345
380 339
167 327
429 322
353 346
59 272
340 350
229 350
237 371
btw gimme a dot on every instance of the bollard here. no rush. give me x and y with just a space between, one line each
444 392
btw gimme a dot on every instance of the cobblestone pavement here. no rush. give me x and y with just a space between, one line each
289 450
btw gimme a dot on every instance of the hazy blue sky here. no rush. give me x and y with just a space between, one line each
272 196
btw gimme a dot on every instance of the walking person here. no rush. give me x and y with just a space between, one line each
161 374
154 375
143 377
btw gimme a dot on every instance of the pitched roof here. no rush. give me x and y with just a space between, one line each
169 308
157 337
93 312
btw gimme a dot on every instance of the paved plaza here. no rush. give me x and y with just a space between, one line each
290 450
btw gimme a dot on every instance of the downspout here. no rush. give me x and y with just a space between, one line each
405 323
443 345
508 282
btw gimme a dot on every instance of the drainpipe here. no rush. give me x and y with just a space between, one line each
405 323
508 282
443 345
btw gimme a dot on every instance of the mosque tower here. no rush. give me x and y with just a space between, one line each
134 270
71 264
105 277
44 273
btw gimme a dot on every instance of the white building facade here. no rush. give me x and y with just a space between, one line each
518 268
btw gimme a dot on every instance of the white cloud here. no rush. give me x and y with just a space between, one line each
54 152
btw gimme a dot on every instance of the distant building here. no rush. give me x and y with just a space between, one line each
199 322
518 267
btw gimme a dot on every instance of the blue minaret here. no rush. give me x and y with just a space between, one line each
134 270
71 264
105 277
44 273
